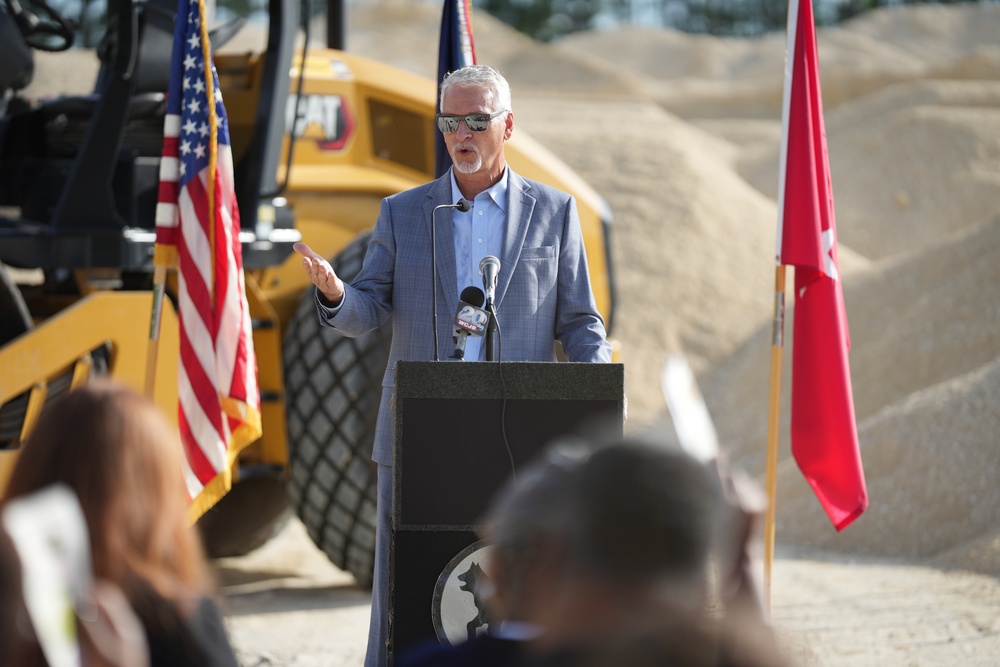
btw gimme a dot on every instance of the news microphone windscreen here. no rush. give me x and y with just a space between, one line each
473 296
471 319
463 205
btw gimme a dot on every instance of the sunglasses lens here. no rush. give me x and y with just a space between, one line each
477 122
448 124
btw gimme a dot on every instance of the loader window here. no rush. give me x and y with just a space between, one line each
400 136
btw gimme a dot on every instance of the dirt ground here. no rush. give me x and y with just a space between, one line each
287 606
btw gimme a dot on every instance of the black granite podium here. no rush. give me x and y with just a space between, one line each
460 429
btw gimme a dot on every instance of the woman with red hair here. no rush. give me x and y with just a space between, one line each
123 460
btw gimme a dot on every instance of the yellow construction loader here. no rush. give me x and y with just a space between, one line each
319 137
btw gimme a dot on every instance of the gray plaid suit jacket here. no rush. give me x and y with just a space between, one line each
543 290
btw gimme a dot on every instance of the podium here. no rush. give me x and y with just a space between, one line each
460 428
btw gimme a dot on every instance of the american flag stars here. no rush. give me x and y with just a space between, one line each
194 148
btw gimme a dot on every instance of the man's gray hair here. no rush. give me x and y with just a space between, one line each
480 76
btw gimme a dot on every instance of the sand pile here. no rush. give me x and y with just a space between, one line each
916 173
681 134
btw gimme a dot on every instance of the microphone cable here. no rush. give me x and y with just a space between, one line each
503 395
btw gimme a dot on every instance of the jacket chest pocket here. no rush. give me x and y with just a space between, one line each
538 253
535 276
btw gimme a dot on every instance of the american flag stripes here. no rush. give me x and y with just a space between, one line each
197 231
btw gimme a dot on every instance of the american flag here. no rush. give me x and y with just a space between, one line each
197 231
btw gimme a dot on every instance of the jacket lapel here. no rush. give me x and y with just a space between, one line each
520 206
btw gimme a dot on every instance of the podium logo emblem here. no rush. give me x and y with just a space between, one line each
458 607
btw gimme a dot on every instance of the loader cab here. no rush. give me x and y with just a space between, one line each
79 174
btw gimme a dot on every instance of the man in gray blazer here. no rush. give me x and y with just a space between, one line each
543 291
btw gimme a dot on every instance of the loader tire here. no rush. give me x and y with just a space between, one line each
333 387
246 518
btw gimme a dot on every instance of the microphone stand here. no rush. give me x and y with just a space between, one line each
461 205
491 333
489 268
434 277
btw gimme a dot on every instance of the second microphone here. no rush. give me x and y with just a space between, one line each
470 320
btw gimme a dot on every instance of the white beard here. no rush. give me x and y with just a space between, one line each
467 167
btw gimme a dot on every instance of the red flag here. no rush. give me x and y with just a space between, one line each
198 225
824 432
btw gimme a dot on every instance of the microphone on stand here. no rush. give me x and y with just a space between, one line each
489 268
470 320
462 205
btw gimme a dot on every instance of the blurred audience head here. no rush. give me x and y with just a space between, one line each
643 516
630 515
123 459
107 631
18 645
613 553
526 528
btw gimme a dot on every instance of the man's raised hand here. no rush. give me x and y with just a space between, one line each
321 274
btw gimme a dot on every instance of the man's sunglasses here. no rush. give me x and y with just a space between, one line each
476 122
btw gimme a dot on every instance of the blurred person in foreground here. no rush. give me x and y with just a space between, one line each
604 557
122 458
106 629
543 292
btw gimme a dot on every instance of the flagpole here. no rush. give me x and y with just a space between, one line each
778 323
773 414
152 350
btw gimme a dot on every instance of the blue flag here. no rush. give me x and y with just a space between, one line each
457 49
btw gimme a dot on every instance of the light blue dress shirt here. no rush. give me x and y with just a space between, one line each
478 233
